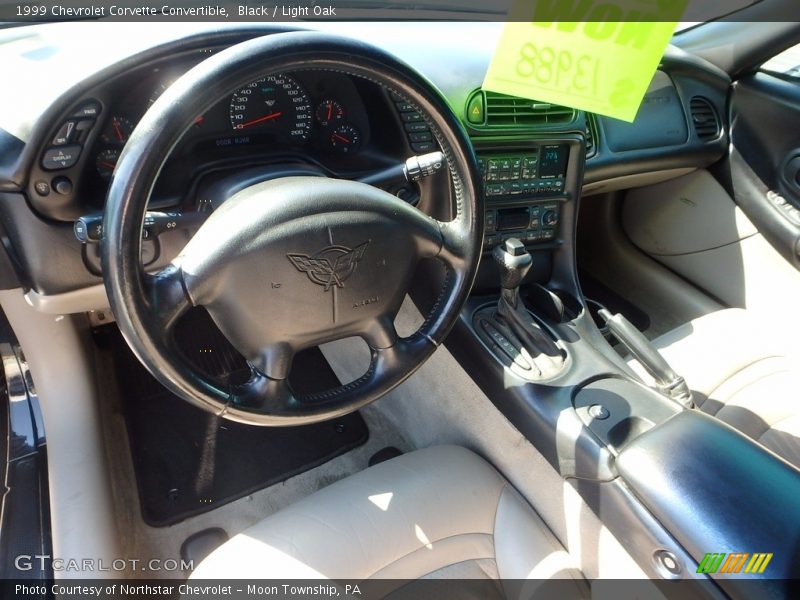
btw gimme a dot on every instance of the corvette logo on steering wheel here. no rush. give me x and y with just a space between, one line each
330 266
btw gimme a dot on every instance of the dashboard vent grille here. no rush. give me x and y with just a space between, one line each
511 111
704 118
591 136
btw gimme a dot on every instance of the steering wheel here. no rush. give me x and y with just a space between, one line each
291 263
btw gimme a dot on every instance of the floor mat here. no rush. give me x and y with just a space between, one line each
188 461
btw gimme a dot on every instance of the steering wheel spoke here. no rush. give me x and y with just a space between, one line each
274 360
381 333
261 394
393 357
449 241
455 238
166 296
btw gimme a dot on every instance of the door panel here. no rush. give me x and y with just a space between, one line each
764 165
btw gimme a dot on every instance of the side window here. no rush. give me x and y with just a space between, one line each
787 63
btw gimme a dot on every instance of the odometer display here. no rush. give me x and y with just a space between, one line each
277 105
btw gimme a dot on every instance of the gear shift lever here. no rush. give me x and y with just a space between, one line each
514 262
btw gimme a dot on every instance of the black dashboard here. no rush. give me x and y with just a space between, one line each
55 163
321 120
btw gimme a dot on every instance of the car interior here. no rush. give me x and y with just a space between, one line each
306 301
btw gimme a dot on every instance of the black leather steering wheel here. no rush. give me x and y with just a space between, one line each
291 263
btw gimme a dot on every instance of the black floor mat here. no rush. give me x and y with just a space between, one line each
188 461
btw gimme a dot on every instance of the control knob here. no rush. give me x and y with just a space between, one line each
549 218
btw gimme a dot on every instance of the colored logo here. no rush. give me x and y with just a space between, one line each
330 266
736 562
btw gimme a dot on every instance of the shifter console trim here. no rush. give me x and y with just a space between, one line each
507 348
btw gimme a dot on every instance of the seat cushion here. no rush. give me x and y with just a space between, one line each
438 512
744 371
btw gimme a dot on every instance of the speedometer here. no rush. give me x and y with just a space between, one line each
276 104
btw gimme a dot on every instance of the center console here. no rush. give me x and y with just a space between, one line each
528 340
531 187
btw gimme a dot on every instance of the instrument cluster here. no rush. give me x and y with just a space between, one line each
321 113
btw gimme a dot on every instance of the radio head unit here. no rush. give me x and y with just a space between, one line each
524 192
537 171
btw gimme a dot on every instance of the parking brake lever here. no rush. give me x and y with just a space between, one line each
667 380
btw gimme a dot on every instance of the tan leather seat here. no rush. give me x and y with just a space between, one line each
441 512
743 371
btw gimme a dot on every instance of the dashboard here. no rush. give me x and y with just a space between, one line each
314 118
58 151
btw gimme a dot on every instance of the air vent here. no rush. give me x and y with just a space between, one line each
704 118
510 111
591 136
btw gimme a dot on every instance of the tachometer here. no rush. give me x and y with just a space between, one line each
117 131
276 104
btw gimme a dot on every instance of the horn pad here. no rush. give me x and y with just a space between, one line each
300 261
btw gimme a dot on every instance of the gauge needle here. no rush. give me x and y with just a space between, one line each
341 137
274 115
107 164
330 110
118 129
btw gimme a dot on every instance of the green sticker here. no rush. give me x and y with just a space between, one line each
594 55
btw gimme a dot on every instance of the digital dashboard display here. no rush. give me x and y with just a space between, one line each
553 161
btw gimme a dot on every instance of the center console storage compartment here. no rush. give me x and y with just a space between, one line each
719 492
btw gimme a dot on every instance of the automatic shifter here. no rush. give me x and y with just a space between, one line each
515 262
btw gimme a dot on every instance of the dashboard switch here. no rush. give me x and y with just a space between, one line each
475 109
423 136
62 185
60 158
423 146
490 221
411 117
90 109
64 134
416 126
89 229
42 188
79 229
82 128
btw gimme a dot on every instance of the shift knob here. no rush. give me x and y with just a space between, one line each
514 262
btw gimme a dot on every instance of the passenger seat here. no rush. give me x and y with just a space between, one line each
743 372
